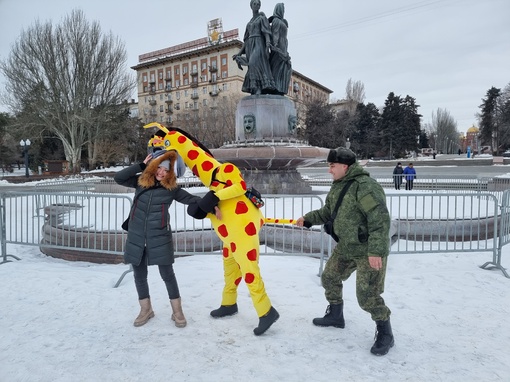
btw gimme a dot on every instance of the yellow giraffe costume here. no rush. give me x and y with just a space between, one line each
238 229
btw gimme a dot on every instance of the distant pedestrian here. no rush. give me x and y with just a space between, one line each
410 176
434 154
460 151
397 175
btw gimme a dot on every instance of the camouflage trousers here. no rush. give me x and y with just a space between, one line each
369 284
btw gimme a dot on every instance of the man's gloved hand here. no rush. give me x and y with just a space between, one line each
196 212
208 202
307 224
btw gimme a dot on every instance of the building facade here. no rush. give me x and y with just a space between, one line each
196 85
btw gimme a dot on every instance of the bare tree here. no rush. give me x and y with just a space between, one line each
212 123
443 129
355 91
65 79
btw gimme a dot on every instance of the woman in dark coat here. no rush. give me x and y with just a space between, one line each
149 237
397 175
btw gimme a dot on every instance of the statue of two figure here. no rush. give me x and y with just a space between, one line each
264 52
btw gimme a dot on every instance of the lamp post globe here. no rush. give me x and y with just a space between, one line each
25 144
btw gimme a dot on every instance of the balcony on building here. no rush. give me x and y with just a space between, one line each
214 93
169 110
194 84
169 101
213 68
152 90
194 72
168 78
153 112
168 88
194 95
169 121
152 102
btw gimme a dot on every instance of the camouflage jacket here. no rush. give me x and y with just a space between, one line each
362 222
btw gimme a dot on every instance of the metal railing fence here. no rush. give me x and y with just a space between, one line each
89 224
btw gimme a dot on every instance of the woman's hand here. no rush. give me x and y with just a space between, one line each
147 158
217 212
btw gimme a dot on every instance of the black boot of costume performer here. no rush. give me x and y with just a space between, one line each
224 310
334 317
266 321
383 338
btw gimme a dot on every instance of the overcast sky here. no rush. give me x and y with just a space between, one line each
444 53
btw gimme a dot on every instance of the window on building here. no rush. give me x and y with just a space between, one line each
204 66
152 78
160 75
204 90
224 74
185 93
178 95
160 86
224 61
224 87
169 74
186 105
195 105
161 96
160 108
177 83
204 102
184 69
177 71
186 82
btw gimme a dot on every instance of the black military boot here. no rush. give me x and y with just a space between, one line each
266 321
224 310
334 317
383 338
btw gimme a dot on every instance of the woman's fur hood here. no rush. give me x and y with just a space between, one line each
148 177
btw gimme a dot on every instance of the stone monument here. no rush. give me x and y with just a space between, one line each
266 147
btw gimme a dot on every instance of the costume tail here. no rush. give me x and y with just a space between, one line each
279 221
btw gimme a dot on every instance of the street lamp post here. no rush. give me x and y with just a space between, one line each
25 144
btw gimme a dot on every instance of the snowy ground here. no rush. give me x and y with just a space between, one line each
64 321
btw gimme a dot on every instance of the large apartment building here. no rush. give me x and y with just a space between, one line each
185 82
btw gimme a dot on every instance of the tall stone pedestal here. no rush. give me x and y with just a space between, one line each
266 149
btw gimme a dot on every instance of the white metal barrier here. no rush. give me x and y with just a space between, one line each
78 225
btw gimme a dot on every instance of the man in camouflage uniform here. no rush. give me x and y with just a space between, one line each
362 224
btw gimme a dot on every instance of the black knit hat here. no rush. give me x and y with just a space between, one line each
341 155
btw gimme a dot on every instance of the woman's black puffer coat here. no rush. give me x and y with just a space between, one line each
149 223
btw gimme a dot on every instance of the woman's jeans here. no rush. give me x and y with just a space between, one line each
167 274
